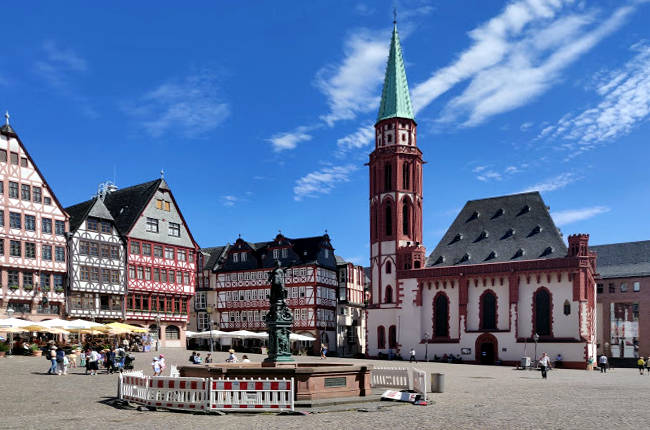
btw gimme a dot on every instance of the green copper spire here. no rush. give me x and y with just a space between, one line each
395 99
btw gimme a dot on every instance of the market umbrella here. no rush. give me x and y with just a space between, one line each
34 327
55 330
13 330
125 328
215 334
83 324
245 334
57 322
13 322
300 337
91 331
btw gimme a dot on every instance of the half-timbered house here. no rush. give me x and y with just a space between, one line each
351 309
160 258
33 225
96 263
240 279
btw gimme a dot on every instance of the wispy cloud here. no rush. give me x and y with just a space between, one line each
229 201
361 138
554 183
516 56
59 64
624 103
322 181
573 215
289 140
191 107
485 173
351 86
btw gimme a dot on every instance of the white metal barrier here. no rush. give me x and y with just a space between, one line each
256 394
419 379
390 377
173 372
204 394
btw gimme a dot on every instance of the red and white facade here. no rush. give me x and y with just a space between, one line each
33 225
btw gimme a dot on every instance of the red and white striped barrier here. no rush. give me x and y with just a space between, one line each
252 394
201 394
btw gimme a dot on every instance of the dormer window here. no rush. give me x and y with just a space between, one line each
535 230
473 216
509 233
491 256
547 251
285 252
498 213
439 260
524 210
276 254
465 258
242 257
456 238
519 253
327 253
235 257
481 236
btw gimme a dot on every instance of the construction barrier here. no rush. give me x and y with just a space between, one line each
252 394
419 382
390 377
203 394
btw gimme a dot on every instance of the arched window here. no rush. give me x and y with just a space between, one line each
381 337
392 337
405 218
388 177
567 308
441 315
172 332
389 267
488 311
388 297
542 311
389 220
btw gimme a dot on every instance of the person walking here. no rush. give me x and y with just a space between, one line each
155 364
647 365
60 359
93 358
544 364
208 358
323 351
412 353
602 363
52 355
641 365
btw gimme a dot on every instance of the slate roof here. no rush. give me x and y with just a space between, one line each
78 213
126 204
212 256
619 260
395 98
515 227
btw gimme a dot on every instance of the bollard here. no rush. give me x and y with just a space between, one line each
437 382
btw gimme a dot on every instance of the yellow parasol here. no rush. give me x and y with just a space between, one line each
54 330
13 330
121 328
35 327
92 331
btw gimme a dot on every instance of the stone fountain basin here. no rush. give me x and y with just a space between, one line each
313 380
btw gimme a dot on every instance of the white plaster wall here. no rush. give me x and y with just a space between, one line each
426 312
388 247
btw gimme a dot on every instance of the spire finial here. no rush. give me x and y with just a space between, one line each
162 173
395 16
6 117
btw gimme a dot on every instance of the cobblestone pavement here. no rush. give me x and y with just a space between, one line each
475 397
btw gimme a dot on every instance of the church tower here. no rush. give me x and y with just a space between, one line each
395 186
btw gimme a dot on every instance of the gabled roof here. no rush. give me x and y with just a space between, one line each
127 204
618 260
212 256
516 227
395 98
8 131
94 207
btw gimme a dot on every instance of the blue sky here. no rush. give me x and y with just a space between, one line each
261 113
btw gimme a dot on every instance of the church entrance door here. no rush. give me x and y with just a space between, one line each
487 349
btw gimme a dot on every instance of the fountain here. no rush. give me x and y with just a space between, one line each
313 380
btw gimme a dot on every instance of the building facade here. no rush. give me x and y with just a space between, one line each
350 309
205 313
160 258
501 274
623 288
239 276
96 264
33 226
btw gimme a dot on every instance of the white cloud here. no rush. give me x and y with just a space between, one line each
554 183
59 64
351 86
361 138
290 139
515 57
487 174
229 201
526 125
573 215
322 181
191 107
625 102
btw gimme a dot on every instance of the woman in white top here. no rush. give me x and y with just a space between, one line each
544 364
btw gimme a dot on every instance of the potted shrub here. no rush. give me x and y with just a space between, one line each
36 351
4 349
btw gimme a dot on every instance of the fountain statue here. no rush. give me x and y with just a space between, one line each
278 319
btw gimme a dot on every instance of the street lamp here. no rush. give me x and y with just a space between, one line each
10 313
211 325
426 346
536 339
157 332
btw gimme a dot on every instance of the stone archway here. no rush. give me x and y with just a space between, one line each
487 349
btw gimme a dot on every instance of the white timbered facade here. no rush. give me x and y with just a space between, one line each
351 309
33 226
96 268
